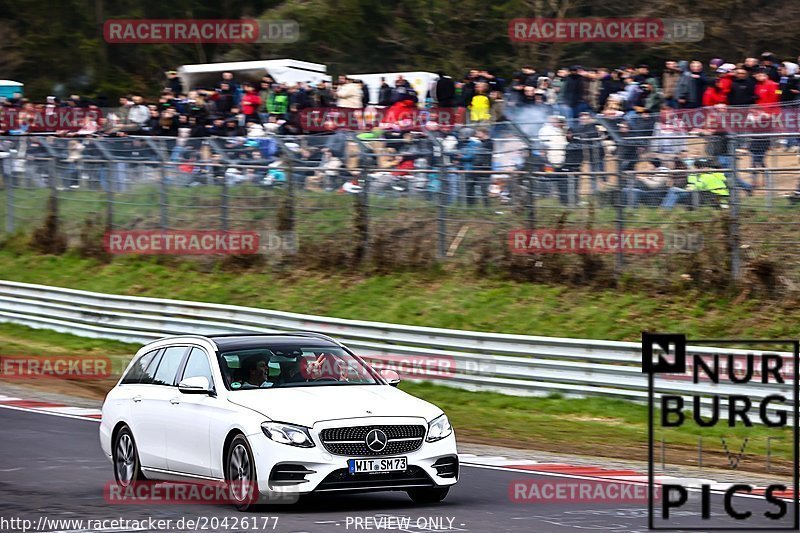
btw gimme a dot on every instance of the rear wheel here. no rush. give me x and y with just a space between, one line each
127 468
428 495
240 473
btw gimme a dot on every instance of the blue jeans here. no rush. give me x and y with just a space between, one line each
674 195
726 161
453 188
597 166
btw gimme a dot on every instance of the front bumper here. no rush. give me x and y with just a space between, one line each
288 470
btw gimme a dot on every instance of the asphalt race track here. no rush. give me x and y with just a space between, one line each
52 466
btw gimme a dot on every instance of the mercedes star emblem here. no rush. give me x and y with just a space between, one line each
376 440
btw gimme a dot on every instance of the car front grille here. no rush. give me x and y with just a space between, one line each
352 440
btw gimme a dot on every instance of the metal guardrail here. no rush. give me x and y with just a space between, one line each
510 364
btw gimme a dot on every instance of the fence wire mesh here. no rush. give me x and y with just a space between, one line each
725 205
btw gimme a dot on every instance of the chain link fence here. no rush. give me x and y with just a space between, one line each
723 207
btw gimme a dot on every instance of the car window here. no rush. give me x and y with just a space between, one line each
149 376
168 367
275 366
197 365
138 370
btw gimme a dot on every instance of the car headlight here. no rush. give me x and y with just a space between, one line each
288 434
439 428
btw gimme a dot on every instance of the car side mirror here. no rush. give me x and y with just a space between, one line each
195 385
391 377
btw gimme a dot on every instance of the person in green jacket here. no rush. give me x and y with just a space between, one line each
706 179
278 102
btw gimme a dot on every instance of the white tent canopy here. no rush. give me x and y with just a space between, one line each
282 70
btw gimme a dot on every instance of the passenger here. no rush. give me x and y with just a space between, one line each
256 370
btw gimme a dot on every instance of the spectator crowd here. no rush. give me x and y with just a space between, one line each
558 110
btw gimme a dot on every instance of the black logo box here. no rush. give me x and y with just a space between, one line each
674 347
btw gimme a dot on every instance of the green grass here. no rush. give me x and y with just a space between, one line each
434 298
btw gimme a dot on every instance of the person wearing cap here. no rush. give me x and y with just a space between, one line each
715 63
725 74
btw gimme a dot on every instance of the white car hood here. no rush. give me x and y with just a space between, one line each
308 405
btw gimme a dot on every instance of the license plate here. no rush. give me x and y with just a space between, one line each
385 464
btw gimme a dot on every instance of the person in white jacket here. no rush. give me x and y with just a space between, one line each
349 95
553 139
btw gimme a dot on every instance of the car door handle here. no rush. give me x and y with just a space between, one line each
175 401
137 398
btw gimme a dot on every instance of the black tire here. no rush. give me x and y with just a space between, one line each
240 474
428 495
125 455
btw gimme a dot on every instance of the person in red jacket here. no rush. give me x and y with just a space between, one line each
715 94
767 93
725 73
251 102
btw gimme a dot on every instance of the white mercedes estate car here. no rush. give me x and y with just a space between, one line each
288 414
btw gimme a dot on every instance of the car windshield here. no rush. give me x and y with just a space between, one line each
277 366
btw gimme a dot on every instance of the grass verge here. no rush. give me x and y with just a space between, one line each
435 298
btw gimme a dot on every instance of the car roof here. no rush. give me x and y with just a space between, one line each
243 341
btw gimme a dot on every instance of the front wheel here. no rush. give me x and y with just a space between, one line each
240 473
428 495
